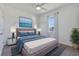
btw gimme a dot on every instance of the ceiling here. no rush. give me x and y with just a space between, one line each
30 7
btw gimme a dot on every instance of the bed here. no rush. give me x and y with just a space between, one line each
34 45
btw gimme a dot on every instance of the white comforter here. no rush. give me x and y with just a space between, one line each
37 45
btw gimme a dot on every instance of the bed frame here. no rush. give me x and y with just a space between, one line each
41 52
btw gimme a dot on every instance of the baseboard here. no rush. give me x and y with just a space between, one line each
65 45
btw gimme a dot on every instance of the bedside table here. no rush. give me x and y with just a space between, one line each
11 41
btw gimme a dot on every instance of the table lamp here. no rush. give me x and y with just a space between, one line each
13 30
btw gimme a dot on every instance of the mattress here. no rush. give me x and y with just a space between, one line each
37 45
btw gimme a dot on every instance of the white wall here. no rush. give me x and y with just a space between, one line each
43 24
1 30
67 19
11 18
77 5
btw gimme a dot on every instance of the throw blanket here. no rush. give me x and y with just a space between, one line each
22 40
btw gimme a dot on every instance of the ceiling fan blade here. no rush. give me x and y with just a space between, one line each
42 4
43 8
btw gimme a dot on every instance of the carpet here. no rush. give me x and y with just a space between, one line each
14 52
55 52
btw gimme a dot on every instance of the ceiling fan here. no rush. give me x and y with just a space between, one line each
40 6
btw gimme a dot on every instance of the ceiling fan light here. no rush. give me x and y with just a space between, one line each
38 8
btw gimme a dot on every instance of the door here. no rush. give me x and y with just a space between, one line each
52 26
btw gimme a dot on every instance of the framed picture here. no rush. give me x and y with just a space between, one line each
25 22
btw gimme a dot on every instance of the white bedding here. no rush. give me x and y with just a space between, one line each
37 45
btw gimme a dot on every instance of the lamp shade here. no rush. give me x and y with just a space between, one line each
38 30
35 27
13 29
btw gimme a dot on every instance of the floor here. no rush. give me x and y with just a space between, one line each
7 51
69 51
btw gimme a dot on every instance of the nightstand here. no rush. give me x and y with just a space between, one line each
11 41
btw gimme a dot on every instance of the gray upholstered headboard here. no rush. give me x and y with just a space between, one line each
26 30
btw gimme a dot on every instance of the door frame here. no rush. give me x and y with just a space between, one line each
57 33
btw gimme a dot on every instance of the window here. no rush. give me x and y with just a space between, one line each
51 23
